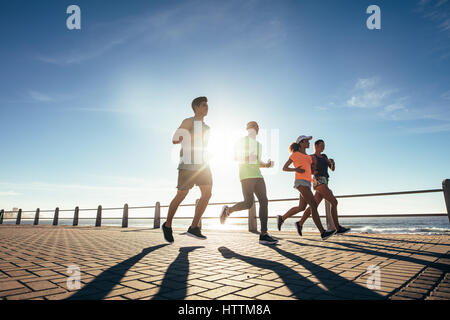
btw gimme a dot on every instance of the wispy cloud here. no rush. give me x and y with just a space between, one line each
446 95
36 96
76 57
366 83
180 22
444 127
389 104
40 97
367 94
438 12
9 193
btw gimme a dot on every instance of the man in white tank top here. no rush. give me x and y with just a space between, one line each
193 169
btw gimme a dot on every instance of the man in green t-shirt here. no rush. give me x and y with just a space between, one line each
248 153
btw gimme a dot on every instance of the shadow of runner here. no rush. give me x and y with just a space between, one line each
356 248
331 280
352 235
289 276
380 246
99 288
179 269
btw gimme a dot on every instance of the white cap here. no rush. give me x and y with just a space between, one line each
303 138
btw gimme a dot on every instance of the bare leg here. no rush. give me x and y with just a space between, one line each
201 205
309 198
181 194
318 197
294 210
327 194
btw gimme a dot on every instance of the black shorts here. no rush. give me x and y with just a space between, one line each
188 178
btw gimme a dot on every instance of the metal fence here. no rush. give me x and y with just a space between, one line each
252 222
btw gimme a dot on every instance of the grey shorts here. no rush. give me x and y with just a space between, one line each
188 178
301 182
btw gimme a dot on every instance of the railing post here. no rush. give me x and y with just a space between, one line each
19 216
2 212
252 223
36 217
330 223
446 189
56 216
75 216
98 220
157 217
125 216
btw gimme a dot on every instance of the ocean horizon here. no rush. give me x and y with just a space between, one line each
393 225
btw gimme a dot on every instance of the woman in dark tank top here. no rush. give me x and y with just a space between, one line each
320 184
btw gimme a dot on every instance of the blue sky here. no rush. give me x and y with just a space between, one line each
87 115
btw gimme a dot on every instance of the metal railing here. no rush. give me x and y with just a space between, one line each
252 222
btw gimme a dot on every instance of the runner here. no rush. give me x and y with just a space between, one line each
193 169
304 166
248 153
320 183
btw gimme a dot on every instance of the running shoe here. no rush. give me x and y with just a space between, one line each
279 222
267 239
342 230
224 214
195 233
167 233
326 234
299 228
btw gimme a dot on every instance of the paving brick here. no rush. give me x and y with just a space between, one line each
269 296
254 291
41 285
10 285
205 284
218 292
36 294
142 293
138 285
240 284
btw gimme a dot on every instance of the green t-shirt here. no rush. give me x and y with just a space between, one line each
248 152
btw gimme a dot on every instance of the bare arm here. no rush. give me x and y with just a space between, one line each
287 168
313 165
267 164
183 129
331 164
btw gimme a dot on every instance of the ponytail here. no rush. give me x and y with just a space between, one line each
294 147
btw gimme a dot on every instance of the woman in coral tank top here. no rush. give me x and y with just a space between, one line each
304 166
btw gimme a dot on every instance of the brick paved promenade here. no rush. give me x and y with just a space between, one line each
133 263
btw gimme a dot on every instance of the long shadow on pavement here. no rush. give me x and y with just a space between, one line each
179 270
356 248
380 246
352 235
334 282
290 278
99 288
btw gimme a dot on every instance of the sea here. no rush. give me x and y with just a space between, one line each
395 225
